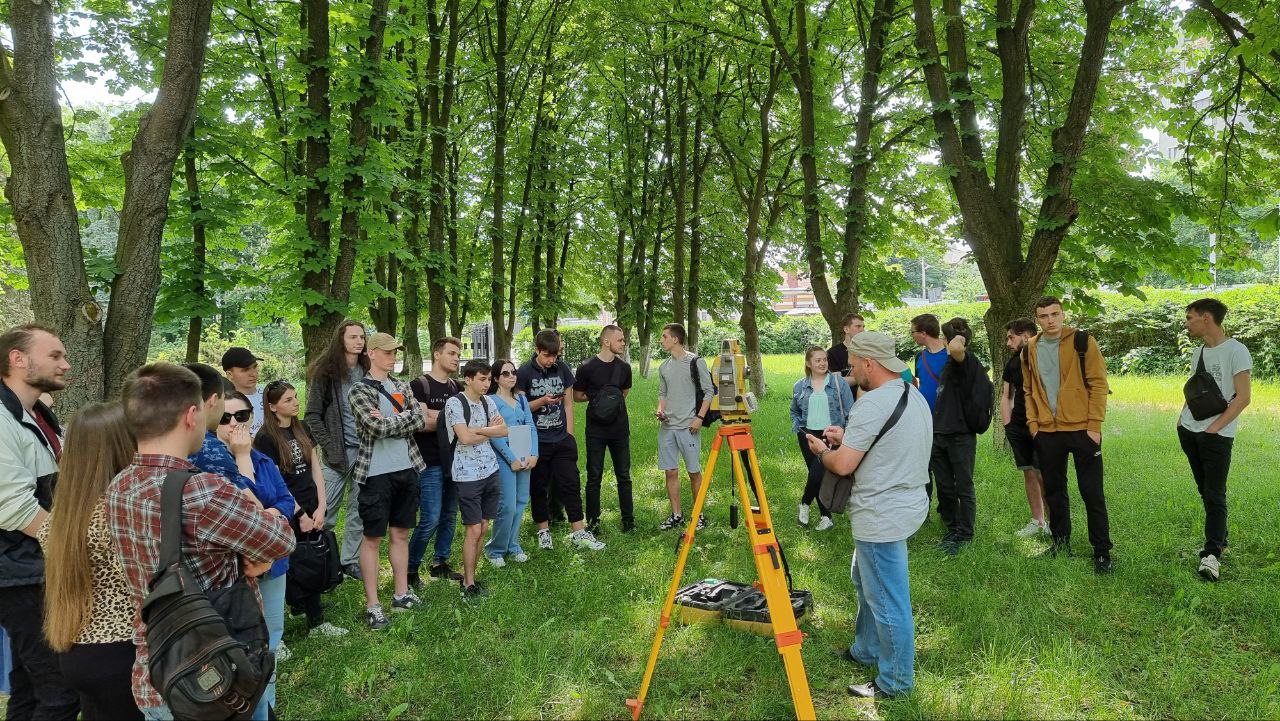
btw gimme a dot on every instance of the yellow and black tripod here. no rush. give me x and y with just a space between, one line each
735 430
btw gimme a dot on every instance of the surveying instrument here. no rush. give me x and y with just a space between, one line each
735 405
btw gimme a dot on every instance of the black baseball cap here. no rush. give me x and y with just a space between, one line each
237 357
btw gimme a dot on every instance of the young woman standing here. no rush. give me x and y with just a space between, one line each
88 615
513 471
286 442
270 490
817 401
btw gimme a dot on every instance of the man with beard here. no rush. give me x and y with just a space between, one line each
32 361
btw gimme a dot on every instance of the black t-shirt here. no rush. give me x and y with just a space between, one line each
434 393
294 465
592 376
1013 376
537 382
838 359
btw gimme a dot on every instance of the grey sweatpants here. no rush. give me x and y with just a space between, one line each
336 485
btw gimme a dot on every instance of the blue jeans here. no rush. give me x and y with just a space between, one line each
884 634
438 514
272 591
506 527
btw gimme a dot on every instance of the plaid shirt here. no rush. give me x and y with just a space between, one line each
363 399
219 524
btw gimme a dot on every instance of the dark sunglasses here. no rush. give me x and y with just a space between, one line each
506 374
274 385
240 416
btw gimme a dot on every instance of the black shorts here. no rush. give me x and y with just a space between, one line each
389 499
1024 452
478 500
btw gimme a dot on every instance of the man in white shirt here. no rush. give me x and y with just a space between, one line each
1207 442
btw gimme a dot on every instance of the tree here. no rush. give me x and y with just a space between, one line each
39 189
990 199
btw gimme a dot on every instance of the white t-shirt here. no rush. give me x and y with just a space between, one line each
888 502
1223 363
471 463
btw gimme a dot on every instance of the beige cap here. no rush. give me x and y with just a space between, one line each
879 348
382 341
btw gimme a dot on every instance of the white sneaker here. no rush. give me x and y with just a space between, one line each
803 514
496 561
520 557
544 539
1209 567
328 629
1032 528
584 539
284 654
825 524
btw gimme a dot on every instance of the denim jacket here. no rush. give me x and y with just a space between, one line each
839 395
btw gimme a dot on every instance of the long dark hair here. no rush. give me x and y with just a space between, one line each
271 395
331 366
98 446
494 370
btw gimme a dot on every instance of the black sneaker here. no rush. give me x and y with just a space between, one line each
443 570
352 570
376 618
1102 564
474 592
702 522
628 525
407 602
593 526
415 580
673 521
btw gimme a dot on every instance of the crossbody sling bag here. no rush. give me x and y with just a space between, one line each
1204 397
835 489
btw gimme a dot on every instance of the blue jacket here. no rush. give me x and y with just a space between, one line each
268 487
519 415
839 395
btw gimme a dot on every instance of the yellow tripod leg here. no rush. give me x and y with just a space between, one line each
664 619
768 558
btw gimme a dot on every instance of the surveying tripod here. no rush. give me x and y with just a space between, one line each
735 430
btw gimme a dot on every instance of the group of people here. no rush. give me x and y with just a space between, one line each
914 428
80 511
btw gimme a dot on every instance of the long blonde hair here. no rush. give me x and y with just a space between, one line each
98 445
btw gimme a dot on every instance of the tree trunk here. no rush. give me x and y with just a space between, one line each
439 112
148 180
319 323
383 310
701 158
199 247
497 269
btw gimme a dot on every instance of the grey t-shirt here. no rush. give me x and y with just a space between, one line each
1222 362
390 454
471 463
349 437
1050 369
888 501
676 385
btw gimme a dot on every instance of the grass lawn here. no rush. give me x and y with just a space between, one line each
999 632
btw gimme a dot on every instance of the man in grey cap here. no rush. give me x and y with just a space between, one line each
241 367
886 447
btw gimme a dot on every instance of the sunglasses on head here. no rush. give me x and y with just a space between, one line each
240 416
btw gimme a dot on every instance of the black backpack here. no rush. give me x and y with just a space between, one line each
314 566
609 401
209 657
979 405
698 396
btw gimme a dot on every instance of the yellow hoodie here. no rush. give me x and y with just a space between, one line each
1079 409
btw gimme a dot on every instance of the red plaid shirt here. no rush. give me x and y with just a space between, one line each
219 524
